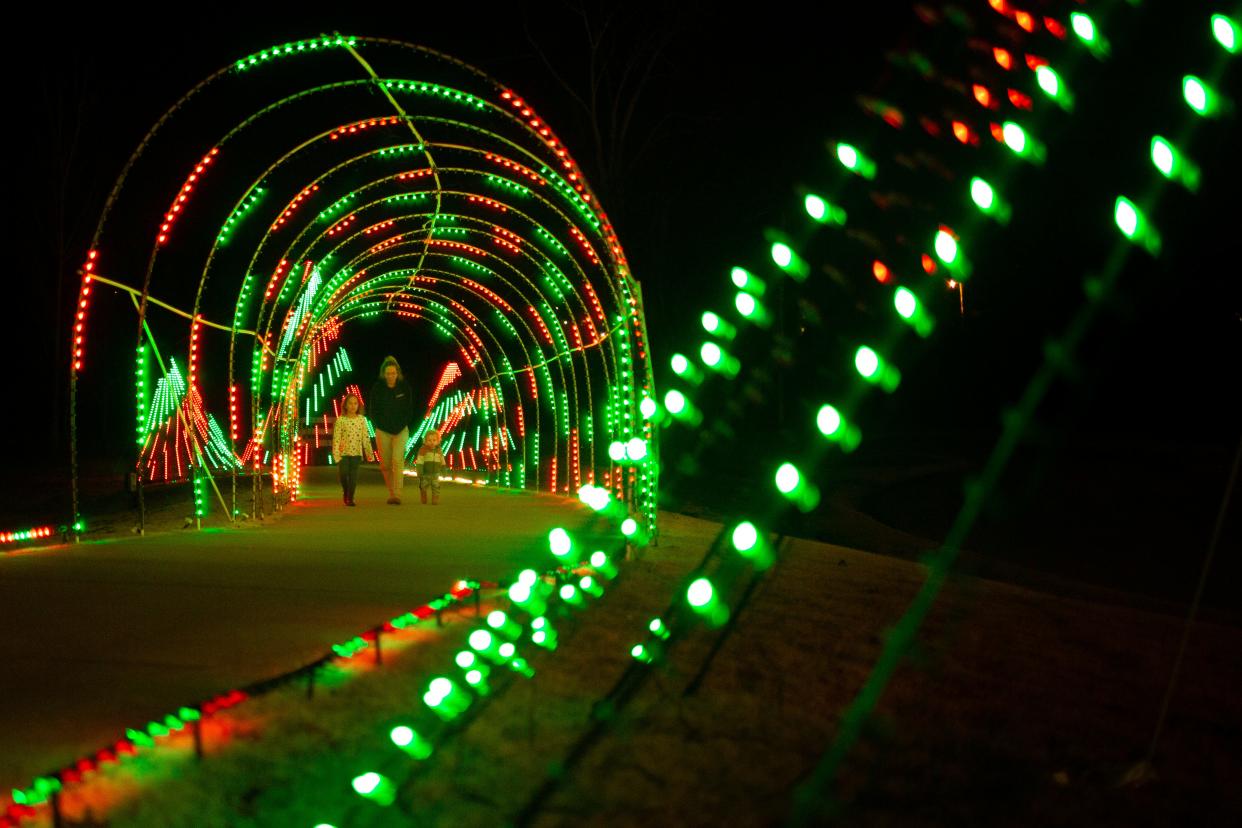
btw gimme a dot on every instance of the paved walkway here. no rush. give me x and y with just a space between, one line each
103 636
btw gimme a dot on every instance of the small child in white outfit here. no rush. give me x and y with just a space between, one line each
430 463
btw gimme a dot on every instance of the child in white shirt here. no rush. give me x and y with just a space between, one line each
350 442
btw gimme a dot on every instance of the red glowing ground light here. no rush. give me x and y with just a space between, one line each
29 534
893 117
964 133
881 272
1019 99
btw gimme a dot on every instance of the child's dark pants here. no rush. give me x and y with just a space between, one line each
348 469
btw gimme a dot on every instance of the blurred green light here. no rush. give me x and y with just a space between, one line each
1195 93
816 208
1048 80
700 593
598 558
828 420
1226 32
1127 217
367 783
507 650
847 155
982 194
866 361
946 247
479 640
496 619
1199 96
1015 137
782 254
1173 165
596 497
636 448
647 408
745 536
711 322
1083 26
559 542
681 365
465 659
616 450
711 354
629 526
788 478
905 302
675 402
401 736
745 304
1135 226
569 592
745 280
1163 156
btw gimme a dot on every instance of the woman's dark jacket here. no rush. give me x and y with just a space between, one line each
390 409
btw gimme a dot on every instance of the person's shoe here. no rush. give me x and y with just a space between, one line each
345 499
435 500
394 501
350 502
423 494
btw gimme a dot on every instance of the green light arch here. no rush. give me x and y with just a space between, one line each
431 193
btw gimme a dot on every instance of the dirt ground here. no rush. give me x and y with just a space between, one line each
1018 708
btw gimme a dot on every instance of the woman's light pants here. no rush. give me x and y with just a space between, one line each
392 458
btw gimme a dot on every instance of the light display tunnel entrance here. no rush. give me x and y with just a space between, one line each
304 190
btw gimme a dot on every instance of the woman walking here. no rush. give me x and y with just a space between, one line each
391 407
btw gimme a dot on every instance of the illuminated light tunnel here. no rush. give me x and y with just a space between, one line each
302 190
889 228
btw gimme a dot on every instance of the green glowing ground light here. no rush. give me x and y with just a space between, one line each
1225 31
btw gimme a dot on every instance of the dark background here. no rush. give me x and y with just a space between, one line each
1119 482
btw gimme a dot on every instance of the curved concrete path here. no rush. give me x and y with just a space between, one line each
102 636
